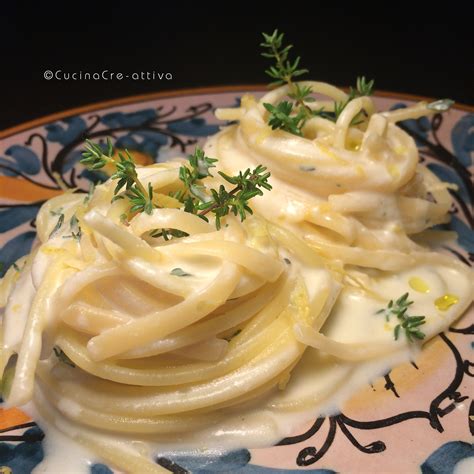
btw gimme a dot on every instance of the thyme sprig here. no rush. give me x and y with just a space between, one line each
95 158
191 177
193 194
248 185
284 70
285 115
292 116
409 324
281 117
199 200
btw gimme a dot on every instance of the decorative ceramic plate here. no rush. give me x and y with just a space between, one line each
419 416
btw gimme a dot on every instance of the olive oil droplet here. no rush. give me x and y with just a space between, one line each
443 303
419 285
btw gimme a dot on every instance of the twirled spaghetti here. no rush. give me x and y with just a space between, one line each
354 192
159 338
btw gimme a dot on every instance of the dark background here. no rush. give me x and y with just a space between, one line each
428 51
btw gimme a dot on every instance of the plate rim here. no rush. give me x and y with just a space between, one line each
168 94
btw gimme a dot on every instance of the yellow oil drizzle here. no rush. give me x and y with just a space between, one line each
393 170
400 150
353 145
50 250
327 151
360 171
75 263
397 229
443 303
263 135
419 285
324 207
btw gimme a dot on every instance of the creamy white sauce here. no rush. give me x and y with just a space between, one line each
61 453
323 381
318 385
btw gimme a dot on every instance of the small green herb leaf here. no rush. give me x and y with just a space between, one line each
301 93
180 272
56 212
201 164
363 88
73 222
76 231
90 193
58 225
167 234
58 352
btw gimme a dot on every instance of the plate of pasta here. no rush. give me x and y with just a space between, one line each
239 279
